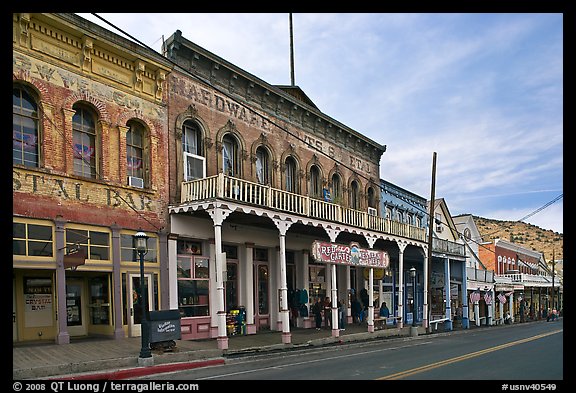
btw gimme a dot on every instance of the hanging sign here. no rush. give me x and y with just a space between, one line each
349 255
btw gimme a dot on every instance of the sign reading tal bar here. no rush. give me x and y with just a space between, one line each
349 255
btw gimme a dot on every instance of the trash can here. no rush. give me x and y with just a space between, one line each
164 329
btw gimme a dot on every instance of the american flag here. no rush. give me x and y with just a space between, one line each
475 297
502 298
488 298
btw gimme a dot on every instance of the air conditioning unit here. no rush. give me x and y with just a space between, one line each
135 182
372 211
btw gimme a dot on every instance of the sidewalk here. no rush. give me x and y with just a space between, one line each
106 358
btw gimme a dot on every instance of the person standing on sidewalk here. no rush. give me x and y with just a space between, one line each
317 310
341 315
327 313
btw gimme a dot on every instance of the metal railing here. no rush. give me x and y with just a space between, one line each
231 188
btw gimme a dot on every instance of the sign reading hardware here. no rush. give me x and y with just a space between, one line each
349 255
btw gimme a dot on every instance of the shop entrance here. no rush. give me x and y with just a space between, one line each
75 308
135 302
262 298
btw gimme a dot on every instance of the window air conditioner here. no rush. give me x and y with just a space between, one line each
135 182
372 211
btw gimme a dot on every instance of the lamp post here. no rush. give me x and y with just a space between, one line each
140 238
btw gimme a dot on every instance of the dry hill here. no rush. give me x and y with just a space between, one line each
530 236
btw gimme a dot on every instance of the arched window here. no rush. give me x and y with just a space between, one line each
290 175
84 140
137 155
315 182
388 212
25 129
336 189
371 198
194 162
354 195
230 159
262 165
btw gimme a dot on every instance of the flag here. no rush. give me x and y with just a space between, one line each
488 298
502 298
475 297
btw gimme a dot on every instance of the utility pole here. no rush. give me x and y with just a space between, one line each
291 53
553 272
430 235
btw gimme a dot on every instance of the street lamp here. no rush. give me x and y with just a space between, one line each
141 239
414 307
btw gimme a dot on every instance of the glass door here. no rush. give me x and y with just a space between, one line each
135 302
75 308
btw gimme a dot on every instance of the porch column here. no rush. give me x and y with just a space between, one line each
401 247
448 323
218 216
334 300
306 286
477 312
63 337
173 271
501 308
284 311
371 300
425 312
248 274
511 305
116 282
490 308
464 298
348 300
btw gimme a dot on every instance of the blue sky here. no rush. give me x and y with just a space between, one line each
482 90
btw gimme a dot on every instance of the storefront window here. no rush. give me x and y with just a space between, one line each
193 285
32 240
231 285
99 301
317 282
128 249
95 244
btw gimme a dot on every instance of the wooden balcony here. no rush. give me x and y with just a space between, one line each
230 188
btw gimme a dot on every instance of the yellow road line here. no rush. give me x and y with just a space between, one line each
407 373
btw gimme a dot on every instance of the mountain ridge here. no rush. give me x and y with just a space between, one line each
545 241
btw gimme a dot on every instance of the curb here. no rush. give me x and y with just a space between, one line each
140 371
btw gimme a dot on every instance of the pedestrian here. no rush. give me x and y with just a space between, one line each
356 310
341 315
327 313
384 311
317 311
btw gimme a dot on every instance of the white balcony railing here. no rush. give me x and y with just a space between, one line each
226 187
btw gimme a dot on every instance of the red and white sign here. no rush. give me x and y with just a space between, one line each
349 255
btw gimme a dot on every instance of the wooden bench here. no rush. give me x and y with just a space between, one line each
382 322
435 322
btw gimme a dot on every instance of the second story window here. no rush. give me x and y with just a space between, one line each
262 166
25 129
194 162
84 141
136 155
290 175
371 198
230 162
354 195
315 182
336 189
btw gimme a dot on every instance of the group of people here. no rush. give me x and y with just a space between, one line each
322 309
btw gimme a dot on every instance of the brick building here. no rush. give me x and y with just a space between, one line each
262 180
89 169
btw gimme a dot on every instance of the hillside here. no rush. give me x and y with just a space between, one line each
527 235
